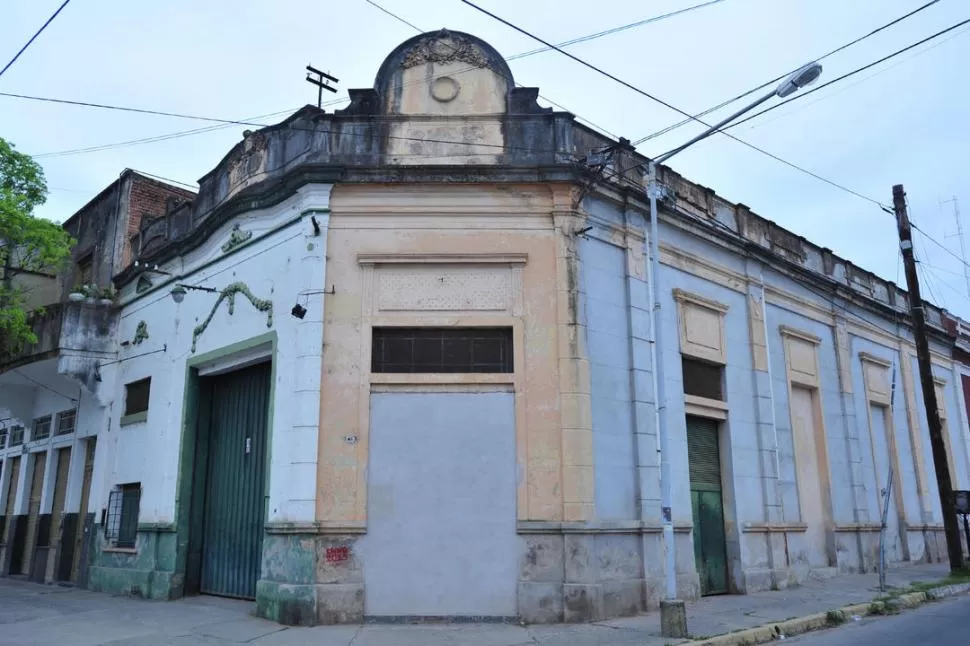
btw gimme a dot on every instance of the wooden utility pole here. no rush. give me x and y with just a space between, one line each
951 526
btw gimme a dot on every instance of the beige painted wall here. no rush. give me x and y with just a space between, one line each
392 253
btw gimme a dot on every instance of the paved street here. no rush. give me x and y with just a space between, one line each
41 615
943 623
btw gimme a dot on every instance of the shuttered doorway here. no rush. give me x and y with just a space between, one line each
235 487
57 508
6 533
39 461
710 553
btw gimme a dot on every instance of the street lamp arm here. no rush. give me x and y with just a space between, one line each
672 619
803 76
711 130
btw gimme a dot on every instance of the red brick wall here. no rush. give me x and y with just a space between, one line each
147 198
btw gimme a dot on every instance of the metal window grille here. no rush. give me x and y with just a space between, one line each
703 379
16 436
41 428
66 421
121 524
3 438
136 396
441 350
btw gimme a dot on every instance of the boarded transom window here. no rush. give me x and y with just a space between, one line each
42 428
136 396
442 350
702 379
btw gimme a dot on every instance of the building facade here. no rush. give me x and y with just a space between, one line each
53 399
397 361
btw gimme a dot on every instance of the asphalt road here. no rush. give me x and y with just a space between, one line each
944 622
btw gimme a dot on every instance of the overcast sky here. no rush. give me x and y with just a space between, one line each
904 121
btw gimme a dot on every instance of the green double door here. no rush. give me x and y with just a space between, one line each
710 553
234 453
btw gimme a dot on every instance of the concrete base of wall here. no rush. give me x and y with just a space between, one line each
572 576
760 579
310 579
148 571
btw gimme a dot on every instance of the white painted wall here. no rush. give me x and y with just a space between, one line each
282 259
49 394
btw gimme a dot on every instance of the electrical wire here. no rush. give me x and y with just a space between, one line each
939 244
614 30
673 107
809 284
33 38
156 138
805 93
256 124
167 179
43 385
860 81
674 126
927 280
395 16
510 58
184 133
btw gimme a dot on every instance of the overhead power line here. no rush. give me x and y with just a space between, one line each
257 124
614 30
673 107
883 70
940 245
684 122
195 131
473 68
34 37
394 15
157 138
805 93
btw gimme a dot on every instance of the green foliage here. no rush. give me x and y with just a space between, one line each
835 617
27 243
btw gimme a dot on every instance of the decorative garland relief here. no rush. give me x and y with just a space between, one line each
229 293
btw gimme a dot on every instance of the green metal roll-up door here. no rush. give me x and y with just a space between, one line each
235 510
710 552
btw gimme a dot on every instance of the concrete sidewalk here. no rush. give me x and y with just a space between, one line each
41 615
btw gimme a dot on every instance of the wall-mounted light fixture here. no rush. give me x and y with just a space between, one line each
316 225
299 310
179 291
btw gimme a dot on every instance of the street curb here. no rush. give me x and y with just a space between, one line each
831 619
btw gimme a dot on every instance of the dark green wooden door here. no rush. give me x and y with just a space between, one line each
710 554
235 509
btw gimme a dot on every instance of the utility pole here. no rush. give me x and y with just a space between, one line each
318 78
951 527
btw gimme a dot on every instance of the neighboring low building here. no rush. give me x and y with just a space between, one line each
52 400
396 362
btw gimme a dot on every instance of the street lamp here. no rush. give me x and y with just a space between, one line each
673 618
178 292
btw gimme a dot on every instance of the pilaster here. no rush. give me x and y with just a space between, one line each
576 456
767 438
915 431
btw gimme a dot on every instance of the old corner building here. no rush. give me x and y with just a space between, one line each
396 361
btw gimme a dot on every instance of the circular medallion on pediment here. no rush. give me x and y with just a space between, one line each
444 89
